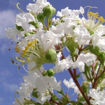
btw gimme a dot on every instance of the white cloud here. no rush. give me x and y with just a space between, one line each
7 19
10 87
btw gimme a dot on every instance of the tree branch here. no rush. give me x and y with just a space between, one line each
79 87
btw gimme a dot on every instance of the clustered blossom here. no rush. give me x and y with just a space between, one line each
40 39
98 96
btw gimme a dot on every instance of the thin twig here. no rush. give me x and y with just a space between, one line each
79 87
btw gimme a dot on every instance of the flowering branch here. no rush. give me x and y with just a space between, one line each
41 39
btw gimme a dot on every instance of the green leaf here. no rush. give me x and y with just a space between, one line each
61 92
103 35
28 33
87 72
29 102
80 98
75 103
102 57
35 93
85 87
90 31
71 45
41 18
64 100
95 50
78 75
19 28
34 24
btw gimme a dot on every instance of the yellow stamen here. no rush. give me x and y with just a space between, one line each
29 45
101 19
20 60
95 15
17 49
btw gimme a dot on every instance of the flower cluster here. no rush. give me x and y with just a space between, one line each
41 39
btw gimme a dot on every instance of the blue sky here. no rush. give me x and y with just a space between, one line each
10 77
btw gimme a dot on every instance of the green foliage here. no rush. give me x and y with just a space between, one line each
64 100
100 81
29 102
78 75
47 103
71 45
34 24
88 73
35 93
95 50
90 31
19 28
41 17
29 33
85 87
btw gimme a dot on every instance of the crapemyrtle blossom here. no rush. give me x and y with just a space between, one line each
40 38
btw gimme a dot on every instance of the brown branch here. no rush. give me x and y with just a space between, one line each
79 87
93 70
79 52
53 101
97 77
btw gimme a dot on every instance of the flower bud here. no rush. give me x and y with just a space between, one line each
49 11
50 72
51 55
44 73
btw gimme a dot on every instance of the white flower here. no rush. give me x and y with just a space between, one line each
98 39
80 65
82 59
38 6
61 65
98 96
100 42
23 20
43 97
99 31
34 79
73 14
64 12
81 10
87 58
12 33
47 39
31 65
82 36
